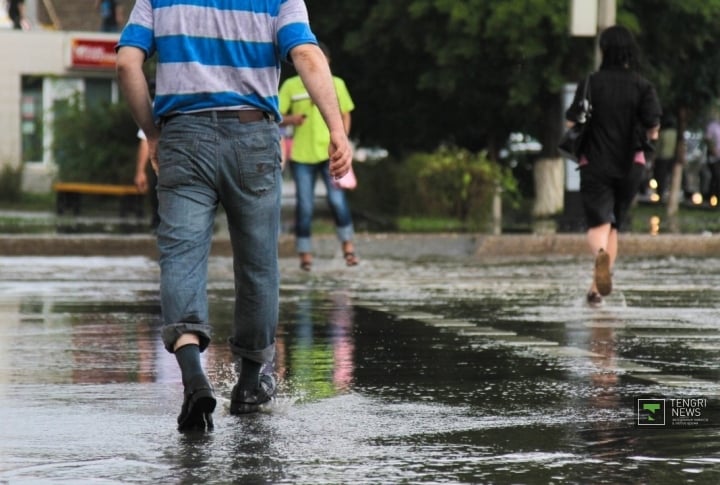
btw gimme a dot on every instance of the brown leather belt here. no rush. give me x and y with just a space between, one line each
242 115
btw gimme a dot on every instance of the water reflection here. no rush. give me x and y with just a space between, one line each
319 344
610 435
494 376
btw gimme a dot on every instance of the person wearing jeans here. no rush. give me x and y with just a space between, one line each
213 138
239 166
309 159
305 175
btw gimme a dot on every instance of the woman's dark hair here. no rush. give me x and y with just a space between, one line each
618 48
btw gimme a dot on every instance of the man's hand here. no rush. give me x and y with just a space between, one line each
152 151
295 120
340 154
141 182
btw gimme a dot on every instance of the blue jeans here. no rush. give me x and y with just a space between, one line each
205 162
305 175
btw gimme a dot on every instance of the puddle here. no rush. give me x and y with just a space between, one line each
390 373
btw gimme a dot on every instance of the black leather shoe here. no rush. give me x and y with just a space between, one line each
246 401
198 405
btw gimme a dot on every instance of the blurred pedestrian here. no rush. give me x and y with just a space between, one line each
309 158
665 156
220 144
16 12
109 15
612 166
712 139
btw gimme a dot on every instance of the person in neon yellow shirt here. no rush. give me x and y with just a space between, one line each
308 158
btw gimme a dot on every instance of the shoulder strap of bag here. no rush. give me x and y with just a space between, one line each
585 102
586 88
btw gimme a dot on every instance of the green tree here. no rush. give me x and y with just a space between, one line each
466 72
682 50
95 143
457 72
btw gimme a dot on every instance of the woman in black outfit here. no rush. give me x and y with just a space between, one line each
625 115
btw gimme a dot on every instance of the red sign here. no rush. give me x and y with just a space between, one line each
93 53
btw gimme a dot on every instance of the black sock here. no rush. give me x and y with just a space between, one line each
188 357
249 374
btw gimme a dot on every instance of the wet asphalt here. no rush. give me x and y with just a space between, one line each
443 359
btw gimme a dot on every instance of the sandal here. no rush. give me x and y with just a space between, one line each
351 259
305 261
594 298
603 277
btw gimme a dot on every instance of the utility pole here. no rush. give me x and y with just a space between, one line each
606 13
31 12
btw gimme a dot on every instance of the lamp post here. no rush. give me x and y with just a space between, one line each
31 12
606 13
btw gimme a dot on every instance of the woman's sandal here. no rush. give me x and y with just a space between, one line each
351 259
306 265
594 298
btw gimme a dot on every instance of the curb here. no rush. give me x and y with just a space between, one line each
400 246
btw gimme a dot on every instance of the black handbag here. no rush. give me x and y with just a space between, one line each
571 142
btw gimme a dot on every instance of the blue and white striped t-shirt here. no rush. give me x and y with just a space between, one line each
217 54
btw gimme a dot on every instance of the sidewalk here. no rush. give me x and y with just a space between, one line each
385 245
369 245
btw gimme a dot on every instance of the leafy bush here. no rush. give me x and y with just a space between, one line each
10 183
376 196
453 182
95 144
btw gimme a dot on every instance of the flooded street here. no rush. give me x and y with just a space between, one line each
451 370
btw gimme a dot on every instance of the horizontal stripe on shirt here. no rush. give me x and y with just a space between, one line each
217 54
208 101
209 22
216 79
247 5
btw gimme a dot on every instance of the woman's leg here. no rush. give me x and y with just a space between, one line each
602 241
304 175
612 246
599 204
340 209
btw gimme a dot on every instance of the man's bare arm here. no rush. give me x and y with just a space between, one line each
135 89
314 70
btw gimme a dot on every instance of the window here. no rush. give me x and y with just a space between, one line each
43 97
98 92
31 118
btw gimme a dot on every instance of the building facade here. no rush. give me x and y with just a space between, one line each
42 68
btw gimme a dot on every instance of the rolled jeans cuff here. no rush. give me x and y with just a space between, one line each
345 233
171 332
262 356
303 245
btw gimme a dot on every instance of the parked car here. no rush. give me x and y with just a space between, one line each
519 153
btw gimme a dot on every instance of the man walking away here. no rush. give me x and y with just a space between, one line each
213 139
